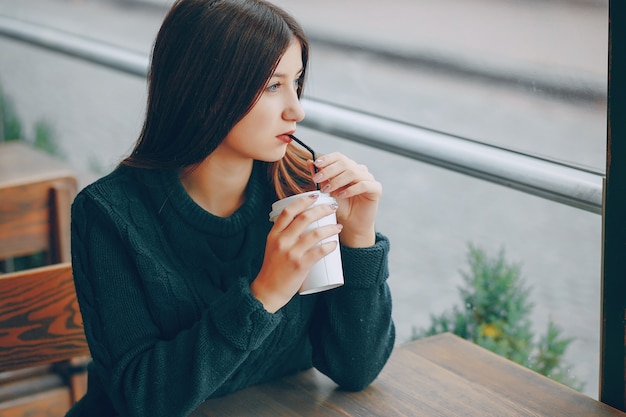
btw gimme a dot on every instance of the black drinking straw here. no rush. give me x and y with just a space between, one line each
308 149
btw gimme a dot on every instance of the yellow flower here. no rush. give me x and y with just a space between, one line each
491 330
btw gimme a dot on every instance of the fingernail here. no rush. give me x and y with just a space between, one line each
317 177
318 162
334 206
340 227
341 194
325 188
314 195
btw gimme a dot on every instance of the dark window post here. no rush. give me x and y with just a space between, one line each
612 355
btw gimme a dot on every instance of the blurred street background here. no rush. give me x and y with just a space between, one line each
524 74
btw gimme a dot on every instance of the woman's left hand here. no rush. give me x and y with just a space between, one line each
357 193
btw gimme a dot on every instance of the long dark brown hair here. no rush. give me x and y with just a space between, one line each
210 62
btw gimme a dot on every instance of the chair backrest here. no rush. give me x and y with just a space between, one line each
40 321
35 217
36 191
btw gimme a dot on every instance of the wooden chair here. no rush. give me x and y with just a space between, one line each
36 191
41 328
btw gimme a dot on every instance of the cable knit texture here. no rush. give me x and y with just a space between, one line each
163 288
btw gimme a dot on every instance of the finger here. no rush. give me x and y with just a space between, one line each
312 216
299 221
288 214
323 161
328 169
353 175
319 235
371 190
297 248
339 181
319 251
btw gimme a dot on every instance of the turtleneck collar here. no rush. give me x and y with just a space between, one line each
171 195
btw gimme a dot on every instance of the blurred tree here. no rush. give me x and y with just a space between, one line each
494 314
11 128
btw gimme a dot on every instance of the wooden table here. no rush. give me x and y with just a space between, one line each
22 163
442 375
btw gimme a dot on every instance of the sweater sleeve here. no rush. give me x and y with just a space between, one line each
144 372
353 332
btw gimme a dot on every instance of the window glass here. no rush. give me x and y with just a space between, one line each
528 75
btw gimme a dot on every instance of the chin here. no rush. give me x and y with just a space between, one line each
277 156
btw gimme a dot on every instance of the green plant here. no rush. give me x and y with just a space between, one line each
495 314
11 128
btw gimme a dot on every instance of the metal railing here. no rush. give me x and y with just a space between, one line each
545 178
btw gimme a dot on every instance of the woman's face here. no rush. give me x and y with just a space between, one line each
262 133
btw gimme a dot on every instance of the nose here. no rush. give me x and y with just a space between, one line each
293 110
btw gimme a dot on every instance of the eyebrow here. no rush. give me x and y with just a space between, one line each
282 75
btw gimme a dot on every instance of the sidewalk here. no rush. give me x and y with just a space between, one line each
558 46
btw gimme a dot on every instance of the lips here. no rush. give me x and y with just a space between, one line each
285 138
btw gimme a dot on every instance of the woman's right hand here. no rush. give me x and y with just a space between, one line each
291 251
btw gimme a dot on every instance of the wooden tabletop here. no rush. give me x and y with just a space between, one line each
441 376
20 163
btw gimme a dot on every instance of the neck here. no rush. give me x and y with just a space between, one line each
217 187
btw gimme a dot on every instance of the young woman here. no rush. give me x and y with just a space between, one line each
187 291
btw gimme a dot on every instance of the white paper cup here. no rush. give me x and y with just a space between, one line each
327 273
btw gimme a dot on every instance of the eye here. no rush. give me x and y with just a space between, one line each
273 87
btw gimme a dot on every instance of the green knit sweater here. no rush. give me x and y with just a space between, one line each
163 288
